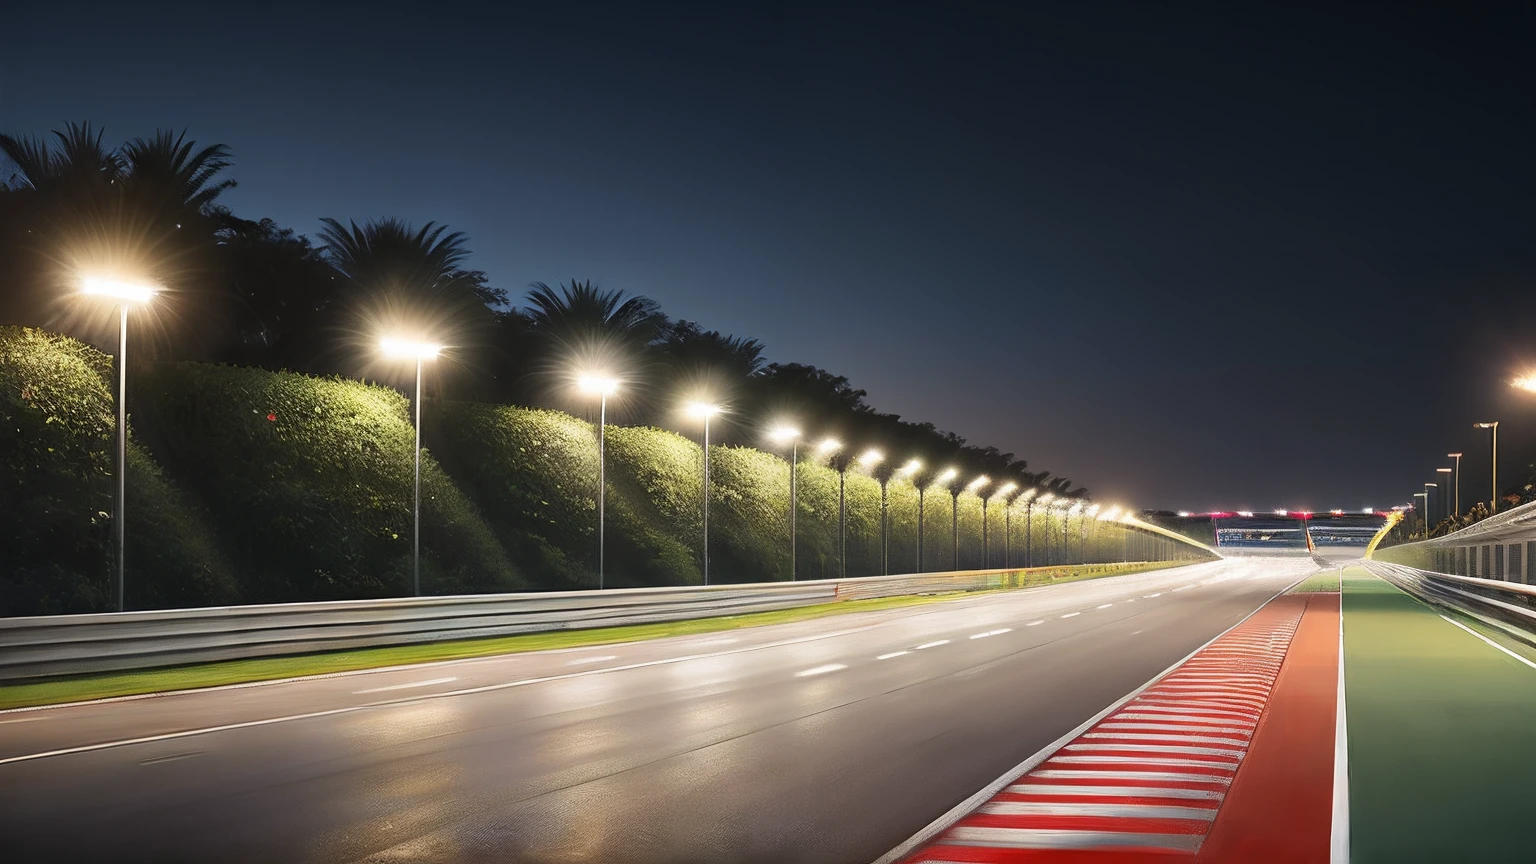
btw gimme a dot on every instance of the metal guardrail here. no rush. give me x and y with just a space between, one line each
69 644
1509 606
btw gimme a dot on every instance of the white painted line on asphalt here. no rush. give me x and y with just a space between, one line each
1185 587
174 758
1132 600
405 686
716 642
821 670
21 720
1071 614
892 654
932 644
1158 594
984 634
1103 605
585 660
1033 623
1490 642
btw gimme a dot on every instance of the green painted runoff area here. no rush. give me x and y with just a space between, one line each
1442 734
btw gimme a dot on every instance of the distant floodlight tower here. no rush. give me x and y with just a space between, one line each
704 411
1493 501
419 351
125 293
602 386
788 433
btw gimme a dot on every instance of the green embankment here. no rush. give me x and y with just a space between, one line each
1321 581
57 428
83 687
1440 743
247 485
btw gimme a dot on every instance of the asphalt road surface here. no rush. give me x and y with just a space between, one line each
821 741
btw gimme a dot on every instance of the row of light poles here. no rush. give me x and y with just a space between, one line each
128 294
1525 382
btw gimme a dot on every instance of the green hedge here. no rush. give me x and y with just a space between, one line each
57 432
309 480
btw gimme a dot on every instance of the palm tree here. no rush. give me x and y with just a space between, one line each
397 278
169 178
580 313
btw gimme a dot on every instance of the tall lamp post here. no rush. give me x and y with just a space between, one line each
1003 493
869 459
911 470
1428 517
1424 516
942 481
602 386
782 434
125 294
418 351
1029 528
1493 502
1445 497
1456 481
954 514
830 447
705 410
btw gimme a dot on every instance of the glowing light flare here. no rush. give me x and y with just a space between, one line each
829 445
703 409
977 483
598 385
396 347
1007 488
872 456
1526 382
784 434
1246 514
1185 514
948 475
912 467
1028 493
1047 497
118 289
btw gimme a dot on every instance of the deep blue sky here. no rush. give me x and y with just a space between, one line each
1189 258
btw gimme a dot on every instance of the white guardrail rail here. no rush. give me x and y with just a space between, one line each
44 646
1508 606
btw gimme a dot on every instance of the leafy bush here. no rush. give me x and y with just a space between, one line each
534 473
655 495
310 481
57 428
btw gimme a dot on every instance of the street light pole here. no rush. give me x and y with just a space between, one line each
706 410
604 387
124 293
1493 502
1456 480
418 351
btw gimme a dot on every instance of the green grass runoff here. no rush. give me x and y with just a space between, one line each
1439 733
137 682
1323 581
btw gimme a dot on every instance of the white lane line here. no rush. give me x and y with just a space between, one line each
174 758
715 642
1185 587
987 633
821 670
585 660
404 686
1103 605
1490 642
1338 835
892 654
1158 594
934 644
1035 623
1071 614
1132 600
21 720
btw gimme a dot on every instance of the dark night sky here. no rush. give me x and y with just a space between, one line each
1218 257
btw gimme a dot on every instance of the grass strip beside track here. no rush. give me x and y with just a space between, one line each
137 682
1322 581
1439 733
